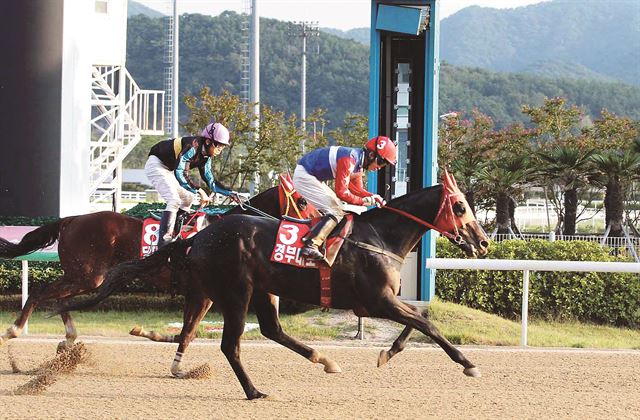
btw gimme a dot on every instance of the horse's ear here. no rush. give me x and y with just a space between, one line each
453 181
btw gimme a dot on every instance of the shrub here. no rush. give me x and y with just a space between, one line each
605 298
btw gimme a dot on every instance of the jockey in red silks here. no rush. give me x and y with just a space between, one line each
345 165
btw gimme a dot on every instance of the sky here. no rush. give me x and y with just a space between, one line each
339 14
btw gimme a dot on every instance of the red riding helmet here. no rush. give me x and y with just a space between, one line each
384 147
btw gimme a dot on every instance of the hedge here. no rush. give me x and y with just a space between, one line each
603 298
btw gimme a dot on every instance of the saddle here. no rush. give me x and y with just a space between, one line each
290 239
189 225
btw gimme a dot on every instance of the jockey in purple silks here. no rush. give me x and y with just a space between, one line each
168 169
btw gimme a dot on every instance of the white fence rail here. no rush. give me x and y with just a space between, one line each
526 266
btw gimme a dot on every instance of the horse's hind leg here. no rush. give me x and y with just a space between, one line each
266 311
61 288
196 306
139 331
396 310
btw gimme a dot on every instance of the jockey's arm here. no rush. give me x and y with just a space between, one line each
206 173
182 170
344 172
357 187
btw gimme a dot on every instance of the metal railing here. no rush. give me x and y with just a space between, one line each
121 114
618 243
527 266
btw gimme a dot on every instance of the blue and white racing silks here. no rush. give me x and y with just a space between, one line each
323 163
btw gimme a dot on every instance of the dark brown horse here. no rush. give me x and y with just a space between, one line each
229 262
89 245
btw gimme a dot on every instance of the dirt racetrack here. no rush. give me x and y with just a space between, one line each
130 378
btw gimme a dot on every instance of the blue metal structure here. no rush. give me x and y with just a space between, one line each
404 69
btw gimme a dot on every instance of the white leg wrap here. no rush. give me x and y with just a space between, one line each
175 366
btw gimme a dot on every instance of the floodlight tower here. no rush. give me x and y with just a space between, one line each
304 29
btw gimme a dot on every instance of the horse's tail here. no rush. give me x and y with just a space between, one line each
171 255
39 238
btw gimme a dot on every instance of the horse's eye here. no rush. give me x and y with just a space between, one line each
302 203
459 209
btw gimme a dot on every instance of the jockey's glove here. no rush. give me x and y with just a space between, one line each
239 196
373 200
204 198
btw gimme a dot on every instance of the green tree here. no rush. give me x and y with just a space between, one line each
464 146
506 172
617 164
563 156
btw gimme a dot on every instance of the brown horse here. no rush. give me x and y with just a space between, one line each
89 245
229 262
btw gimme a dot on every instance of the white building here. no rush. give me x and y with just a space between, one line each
68 69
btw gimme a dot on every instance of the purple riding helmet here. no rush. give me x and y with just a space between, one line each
216 132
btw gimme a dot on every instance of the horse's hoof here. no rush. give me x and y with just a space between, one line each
137 331
62 347
332 367
474 372
256 394
383 357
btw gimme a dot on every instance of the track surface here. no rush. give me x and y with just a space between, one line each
130 379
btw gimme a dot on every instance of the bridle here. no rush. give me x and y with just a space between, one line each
456 238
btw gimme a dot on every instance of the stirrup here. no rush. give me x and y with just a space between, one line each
311 253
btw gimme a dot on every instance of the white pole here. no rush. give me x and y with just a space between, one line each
255 66
25 290
254 93
525 308
174 73
303 91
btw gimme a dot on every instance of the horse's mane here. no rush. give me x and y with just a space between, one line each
396 202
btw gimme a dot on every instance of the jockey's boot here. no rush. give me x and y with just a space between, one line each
165 232
316 237
181 218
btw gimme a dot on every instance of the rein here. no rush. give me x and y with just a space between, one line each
260 212
455 238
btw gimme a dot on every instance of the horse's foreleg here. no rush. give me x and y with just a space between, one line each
18 325
70 332
400 342
265 306
196 306
396 347
235 312
396 310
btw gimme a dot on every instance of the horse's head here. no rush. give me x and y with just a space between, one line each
457 222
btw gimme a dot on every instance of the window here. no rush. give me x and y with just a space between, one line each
101 6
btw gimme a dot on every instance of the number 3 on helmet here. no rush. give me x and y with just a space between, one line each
384 147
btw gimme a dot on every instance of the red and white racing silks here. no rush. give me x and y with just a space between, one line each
344 164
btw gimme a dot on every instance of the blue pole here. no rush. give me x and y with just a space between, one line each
430 151
374 88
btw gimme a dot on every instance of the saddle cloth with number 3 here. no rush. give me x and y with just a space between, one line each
289 241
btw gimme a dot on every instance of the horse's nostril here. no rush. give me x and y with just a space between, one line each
484 244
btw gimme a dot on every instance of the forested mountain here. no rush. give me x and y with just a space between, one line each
337 77
361 35
585 39
602 36
135 8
